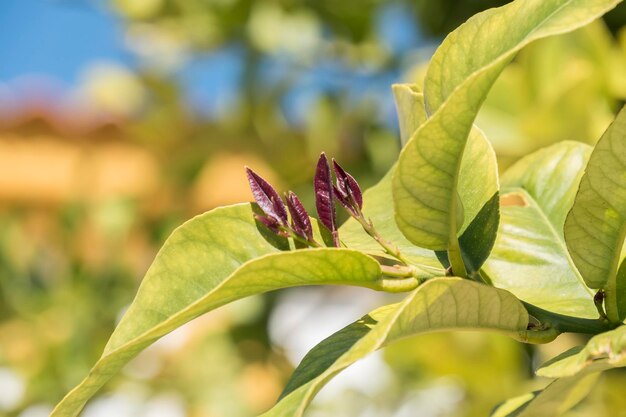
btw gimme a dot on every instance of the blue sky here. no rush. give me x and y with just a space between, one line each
58 39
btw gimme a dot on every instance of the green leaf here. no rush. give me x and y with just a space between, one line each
555 399
478 192
475 247
426 181
604 351
439 304
551 176
479 178
410 107
477 239
476 51
211 260
595 228
530 258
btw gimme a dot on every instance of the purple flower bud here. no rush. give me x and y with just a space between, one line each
269 222
267 198
348 188
324 197
300 221
344 200
272 224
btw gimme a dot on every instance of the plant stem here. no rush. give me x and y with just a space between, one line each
568 324
455 258
610 301
388 247
397 271
598 300
296 237
540 336
398 284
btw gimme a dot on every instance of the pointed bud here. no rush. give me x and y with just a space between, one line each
269 222
300 221
266 197
347 187
324 196
345 201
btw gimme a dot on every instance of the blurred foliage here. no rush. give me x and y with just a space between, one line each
68 267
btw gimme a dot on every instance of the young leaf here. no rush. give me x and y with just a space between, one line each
410 108
439 304
425 185
595 228
271 223
347 189
266 197
345 202
212 260
529 257
324 201
300 221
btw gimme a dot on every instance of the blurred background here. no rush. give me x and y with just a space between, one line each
121 119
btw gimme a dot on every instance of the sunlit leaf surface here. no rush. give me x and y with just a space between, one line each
595 228
438 305
426 181
530 258
214 259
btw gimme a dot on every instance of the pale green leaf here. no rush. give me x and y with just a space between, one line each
211 260
551 176
530 258
439 304
596 225
410 107
488 40
604 351
555 399
426 181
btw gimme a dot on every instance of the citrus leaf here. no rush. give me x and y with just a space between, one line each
479 188
558 397
530 258
438 305
426 181
474 52
595 228
478 195
211 260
